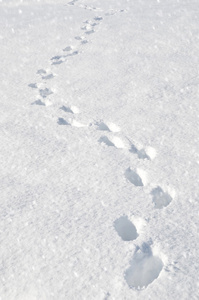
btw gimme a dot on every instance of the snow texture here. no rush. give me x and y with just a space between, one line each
99 149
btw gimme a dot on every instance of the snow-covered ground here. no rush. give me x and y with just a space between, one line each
99 149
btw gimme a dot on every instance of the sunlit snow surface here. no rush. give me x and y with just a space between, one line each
99 149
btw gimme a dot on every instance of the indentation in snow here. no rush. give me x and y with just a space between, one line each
66 109
98 18
45 92
134 177
68 48
79 38
61 121
144 268
102 126
108 127
105 140
38 102
90 31
160 198
125 229
140 153
115 141
33 85
49 76
41 72
84 42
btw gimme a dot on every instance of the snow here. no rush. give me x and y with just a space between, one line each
99 149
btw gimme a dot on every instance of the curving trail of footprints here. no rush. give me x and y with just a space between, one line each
144 267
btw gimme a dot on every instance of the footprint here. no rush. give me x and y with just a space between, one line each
66 109
115 141
38 102
148 153
33 85
57 60
84 42
105 140
72 54
98 18
72 109
102 126
90 32
45 92
61 121
79 38
140 153
160 198
91 23
134 177
72 2
49 76
68 48
108 127
41 72
125 229
144 268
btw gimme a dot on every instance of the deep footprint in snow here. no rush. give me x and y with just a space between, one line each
84 42
160 198
72 2
61 121
41 72
133 177
79 38
72 54
45 92
68 48
106 141
47 77
98 18
107 127
140 153
125 229
58 59
144 268
90 32
115 141
38 102
33 85
71 109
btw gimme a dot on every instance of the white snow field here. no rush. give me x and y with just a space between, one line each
99 149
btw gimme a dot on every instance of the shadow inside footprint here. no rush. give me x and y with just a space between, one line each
66 109
89 32
125 229
133 177
38 102
140 153
160 198
98 18
105 140
144 268
49 76
45 92
84 42
33 85
61 121
102 126
41 72
68 48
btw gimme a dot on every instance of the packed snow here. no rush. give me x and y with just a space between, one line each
99 149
